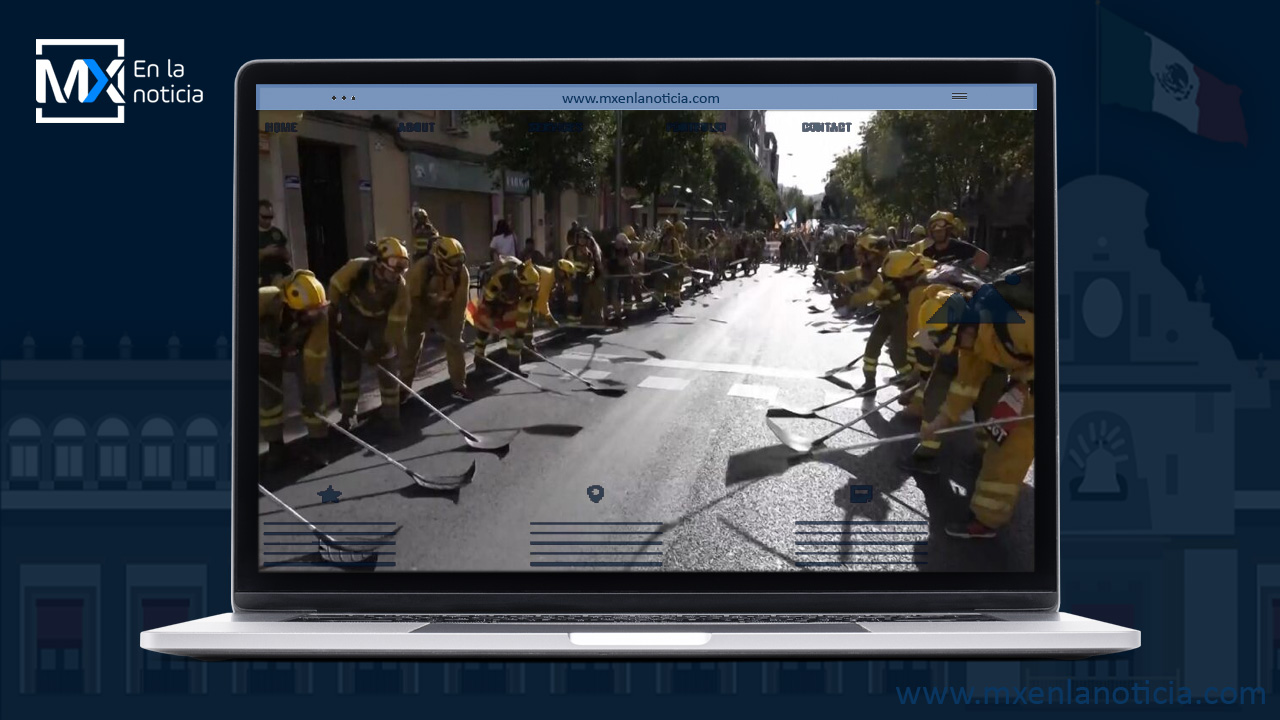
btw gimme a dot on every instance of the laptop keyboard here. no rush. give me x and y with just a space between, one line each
647 619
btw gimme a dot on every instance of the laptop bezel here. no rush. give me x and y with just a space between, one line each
784 591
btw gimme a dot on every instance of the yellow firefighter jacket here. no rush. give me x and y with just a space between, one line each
279 336
990 351
353 285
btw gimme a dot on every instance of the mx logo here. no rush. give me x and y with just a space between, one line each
86 81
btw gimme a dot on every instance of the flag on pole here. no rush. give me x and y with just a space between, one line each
1143 72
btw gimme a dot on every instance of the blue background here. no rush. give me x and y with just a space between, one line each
124 230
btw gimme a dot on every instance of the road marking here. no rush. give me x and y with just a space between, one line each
669 363
658 382
595 374
757 392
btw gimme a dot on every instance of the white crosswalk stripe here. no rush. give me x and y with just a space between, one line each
750 370
658 382
757 392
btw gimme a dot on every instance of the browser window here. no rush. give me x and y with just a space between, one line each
646 328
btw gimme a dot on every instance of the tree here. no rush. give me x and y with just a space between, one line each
555 161
837 199
736 178
914 162
654 157
794 198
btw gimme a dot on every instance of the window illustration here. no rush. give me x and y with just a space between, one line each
271 677
59 646
23 440
68 455
157 454
377 678
591 678
113 454
801 678
202 454
489 678
697 678
160 595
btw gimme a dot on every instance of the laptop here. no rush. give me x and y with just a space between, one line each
645 358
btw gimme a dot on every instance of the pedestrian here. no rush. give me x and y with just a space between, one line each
274 260
503 243
532 253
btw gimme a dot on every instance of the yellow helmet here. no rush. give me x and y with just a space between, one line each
528 274
918 231
901 264
449 251
302 291
940 313
391 247
944 217
680 226
936 298
873 243
567 266
630 232
390 251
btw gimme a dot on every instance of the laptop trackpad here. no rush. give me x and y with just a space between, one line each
639 639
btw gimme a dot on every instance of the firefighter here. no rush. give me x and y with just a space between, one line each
923 304
505 307
424 234
918 233
586 303
633 287
671 254
293 317
722 252
992 343
869 253
370 299
888 290
944 246
438 291
549 279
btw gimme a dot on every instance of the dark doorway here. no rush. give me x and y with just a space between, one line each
323 213
324 221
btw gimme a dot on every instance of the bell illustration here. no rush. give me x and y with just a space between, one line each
1100 473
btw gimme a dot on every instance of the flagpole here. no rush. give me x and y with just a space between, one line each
1097 87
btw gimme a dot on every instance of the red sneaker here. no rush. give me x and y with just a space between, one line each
970 530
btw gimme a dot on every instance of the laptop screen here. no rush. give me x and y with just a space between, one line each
646 328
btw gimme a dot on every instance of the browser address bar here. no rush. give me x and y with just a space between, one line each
647 97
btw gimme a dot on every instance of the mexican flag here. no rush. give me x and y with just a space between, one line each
1142 72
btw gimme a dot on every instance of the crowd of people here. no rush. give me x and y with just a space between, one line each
957 343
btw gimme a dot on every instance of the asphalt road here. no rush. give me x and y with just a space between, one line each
692 477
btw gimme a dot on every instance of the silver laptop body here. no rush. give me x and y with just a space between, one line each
591 531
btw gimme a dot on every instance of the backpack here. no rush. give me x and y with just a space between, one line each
1018 287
